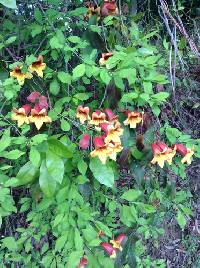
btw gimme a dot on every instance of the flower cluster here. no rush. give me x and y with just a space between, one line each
34 112
37 66
108 144
162 153
114 245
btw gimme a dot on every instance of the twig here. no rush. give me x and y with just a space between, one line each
180 26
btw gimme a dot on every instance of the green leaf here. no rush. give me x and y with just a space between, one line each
11 40
55 166
47 183
105 76
82 96
65 126
38 15
34 157
161 96
54 87
55 43
79 71
82 167
60 242
5 140
14 154
36 29
103 173
181 219
10 243
129 74
78 240
27 174
59 148
39 138
74 259
65 78
131 195
9 3
129 97
74 39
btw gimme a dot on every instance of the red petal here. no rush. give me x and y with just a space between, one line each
27 108
33 96
120 237
110 114
37 108
181 149
98 112
83 262
84 141
155 148
107 247
43 102
98 142
104 127
162 146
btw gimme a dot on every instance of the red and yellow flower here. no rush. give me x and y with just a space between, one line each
133 119
102 151
17 73
187 153
109 249
38 66
82 114
97 118
116 243
113 132
39 117
104 58
111 116
21 115
83 263
109 8
162 153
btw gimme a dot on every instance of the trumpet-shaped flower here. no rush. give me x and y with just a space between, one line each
20 115
187 153
82 113
118 241
17 73
111 116
133 119
97 118
102 151
84 141
109 8
162 153
34 96
83 262
38 66
39 117
113 132
109 249
104 58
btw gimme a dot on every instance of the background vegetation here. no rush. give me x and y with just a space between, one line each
59 206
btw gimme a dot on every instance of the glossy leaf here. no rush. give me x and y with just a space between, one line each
103 173
47 183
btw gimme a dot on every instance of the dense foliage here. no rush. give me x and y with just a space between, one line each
91 166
